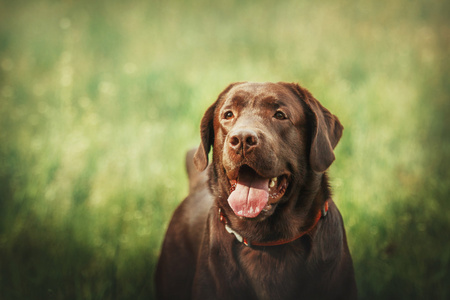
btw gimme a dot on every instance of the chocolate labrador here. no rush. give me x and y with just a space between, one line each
259 221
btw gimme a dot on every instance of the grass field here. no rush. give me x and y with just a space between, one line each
99 101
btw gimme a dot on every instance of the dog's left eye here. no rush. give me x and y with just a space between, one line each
228 115
279 115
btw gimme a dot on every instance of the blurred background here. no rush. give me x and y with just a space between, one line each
100 100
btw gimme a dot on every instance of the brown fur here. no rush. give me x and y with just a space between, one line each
201 260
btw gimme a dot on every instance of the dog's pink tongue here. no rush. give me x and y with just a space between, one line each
250 196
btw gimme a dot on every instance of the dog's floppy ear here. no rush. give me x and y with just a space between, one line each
207 133
326 135
207 136
326 132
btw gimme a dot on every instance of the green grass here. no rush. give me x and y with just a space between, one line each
99 101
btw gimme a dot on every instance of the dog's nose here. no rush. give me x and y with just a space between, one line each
244 140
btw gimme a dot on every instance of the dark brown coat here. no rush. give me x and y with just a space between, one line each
273 143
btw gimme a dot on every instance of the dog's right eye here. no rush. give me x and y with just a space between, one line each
228 115
279 115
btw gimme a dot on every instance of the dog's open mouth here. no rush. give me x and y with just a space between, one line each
251 193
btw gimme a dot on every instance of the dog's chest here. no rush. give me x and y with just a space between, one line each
268 270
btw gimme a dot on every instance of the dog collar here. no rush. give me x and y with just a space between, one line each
322 213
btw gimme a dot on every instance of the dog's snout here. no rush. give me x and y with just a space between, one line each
244 140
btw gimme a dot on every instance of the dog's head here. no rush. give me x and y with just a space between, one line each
267 139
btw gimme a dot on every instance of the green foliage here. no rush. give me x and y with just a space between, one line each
100 100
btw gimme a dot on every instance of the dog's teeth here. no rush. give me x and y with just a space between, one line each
272 182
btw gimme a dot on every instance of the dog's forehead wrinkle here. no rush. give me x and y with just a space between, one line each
262 96
237 98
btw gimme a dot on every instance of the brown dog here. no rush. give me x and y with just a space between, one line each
261 223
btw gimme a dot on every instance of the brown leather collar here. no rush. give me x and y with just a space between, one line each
322 213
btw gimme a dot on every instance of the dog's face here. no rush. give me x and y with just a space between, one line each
267 138
255 128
